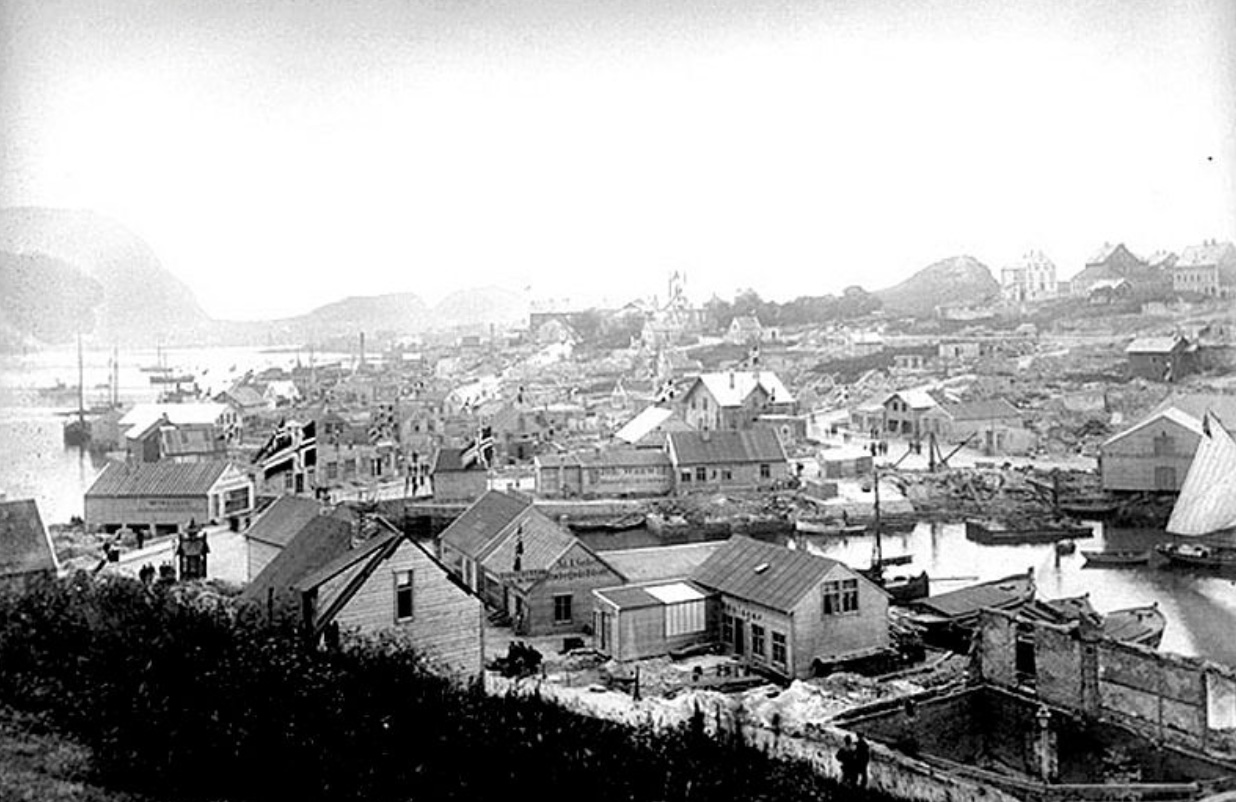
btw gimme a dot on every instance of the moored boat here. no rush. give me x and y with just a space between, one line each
1115 558
947 620
827 526
1139 625
620 523
992 532
1206 506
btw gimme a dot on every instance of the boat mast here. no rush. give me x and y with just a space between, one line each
81 400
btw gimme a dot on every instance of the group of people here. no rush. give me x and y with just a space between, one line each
878 447
854 757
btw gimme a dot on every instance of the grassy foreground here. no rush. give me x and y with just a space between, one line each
189 698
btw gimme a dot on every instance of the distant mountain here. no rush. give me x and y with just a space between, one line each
956 280
480 306
138 303
45 301
399 313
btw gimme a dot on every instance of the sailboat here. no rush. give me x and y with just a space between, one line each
1206 506
900 588
77 430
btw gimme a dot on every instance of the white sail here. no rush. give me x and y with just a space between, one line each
1207 502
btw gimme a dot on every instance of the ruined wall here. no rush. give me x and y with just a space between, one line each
1058 660
1152 694
997 638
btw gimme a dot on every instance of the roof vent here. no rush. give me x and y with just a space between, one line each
761 568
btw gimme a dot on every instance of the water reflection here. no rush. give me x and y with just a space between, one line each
1200 607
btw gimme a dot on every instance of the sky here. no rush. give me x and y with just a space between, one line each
280 154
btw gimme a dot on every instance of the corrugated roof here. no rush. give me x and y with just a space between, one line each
731 388
283 519
1207 501
785 577
25 546
998 593
321 540
121 479
659 563
727 447
643 424
481 523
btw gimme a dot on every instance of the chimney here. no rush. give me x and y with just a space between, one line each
731 380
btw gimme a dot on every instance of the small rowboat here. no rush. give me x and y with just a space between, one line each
1140 625
1115 558
827 526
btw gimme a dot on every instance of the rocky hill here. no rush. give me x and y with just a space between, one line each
45 301
130 297
956 280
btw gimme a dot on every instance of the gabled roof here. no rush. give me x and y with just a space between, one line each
624 457
661 563
243 394
1195 405
1156 345
731 388
157 479
282 521
543 543
318 542
451 459
25 546
763 573
487 518
760 444
1167 413
1209 254
915 398
1107 252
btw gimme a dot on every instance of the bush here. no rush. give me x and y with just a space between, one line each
198 699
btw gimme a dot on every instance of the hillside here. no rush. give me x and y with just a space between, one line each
45 301
956 280
399 313
480 306
138 303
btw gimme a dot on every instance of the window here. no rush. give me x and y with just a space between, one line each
1023 654
686 476
727 628
765 470
757 640
701 474
841 597
684 618
403 595
778 648
1164 446
562 608
332 470
727 474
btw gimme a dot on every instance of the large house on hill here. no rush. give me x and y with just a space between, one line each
735 399
1207 269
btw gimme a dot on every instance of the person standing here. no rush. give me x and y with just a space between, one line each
862 756
845 759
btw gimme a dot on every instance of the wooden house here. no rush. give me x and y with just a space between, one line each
523 563
735 399
1208 269
162 498
650 427
993 425
1154 454
26 553
279 524
455 479
1160 359
791 612
613 473
393 583
904 411
710 460
636 622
